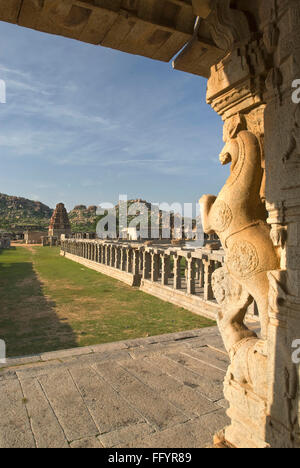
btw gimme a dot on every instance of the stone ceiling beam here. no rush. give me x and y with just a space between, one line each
150 28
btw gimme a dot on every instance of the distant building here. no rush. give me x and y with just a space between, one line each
34 237
60 223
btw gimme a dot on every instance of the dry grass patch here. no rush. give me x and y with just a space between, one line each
50 303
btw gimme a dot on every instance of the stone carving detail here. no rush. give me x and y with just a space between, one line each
246 240
227 25
242 259
294 142
235 300
271 37
221 216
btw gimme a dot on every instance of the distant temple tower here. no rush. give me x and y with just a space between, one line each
59 223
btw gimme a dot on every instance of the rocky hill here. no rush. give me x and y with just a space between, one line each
83 219
18 213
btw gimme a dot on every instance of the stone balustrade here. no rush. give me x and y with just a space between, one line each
182 277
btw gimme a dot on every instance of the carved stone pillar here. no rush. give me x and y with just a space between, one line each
129 257
112 256
141 250
146 265
136 262
208 272
280 23
123 259
107 254
191 271
166 269
257 216
118 258
154 266
177 272
201 274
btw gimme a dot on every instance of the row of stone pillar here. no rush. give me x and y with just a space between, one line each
157 267
151 265
124 258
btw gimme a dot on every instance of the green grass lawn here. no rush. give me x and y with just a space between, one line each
50 303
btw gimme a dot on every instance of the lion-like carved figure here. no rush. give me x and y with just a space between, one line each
238 216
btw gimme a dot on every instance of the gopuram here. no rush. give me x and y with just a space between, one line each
59 223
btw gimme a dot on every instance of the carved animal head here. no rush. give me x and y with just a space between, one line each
232 127
230 153
225 158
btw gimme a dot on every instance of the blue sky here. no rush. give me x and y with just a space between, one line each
83 124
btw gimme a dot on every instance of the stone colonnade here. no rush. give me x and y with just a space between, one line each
182 270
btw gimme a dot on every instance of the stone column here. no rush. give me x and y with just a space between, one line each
154 266
136 262
256 216
201 274
177 272
282 157
146 265
123 259
208 271
166 269
191 271
112 256
117 257
129 260
108 253
141 250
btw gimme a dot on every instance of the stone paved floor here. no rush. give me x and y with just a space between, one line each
165 392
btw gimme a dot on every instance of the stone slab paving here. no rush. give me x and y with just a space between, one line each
164 391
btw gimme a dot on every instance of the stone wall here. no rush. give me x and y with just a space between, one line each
34 237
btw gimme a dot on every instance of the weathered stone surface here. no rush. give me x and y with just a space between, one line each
108 409
47 431
180 395
15 430
211 379
193 434
147 402
87 443
66 353
68 404
207 381
218 360
127 435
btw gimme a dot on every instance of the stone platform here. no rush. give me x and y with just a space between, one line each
165 391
